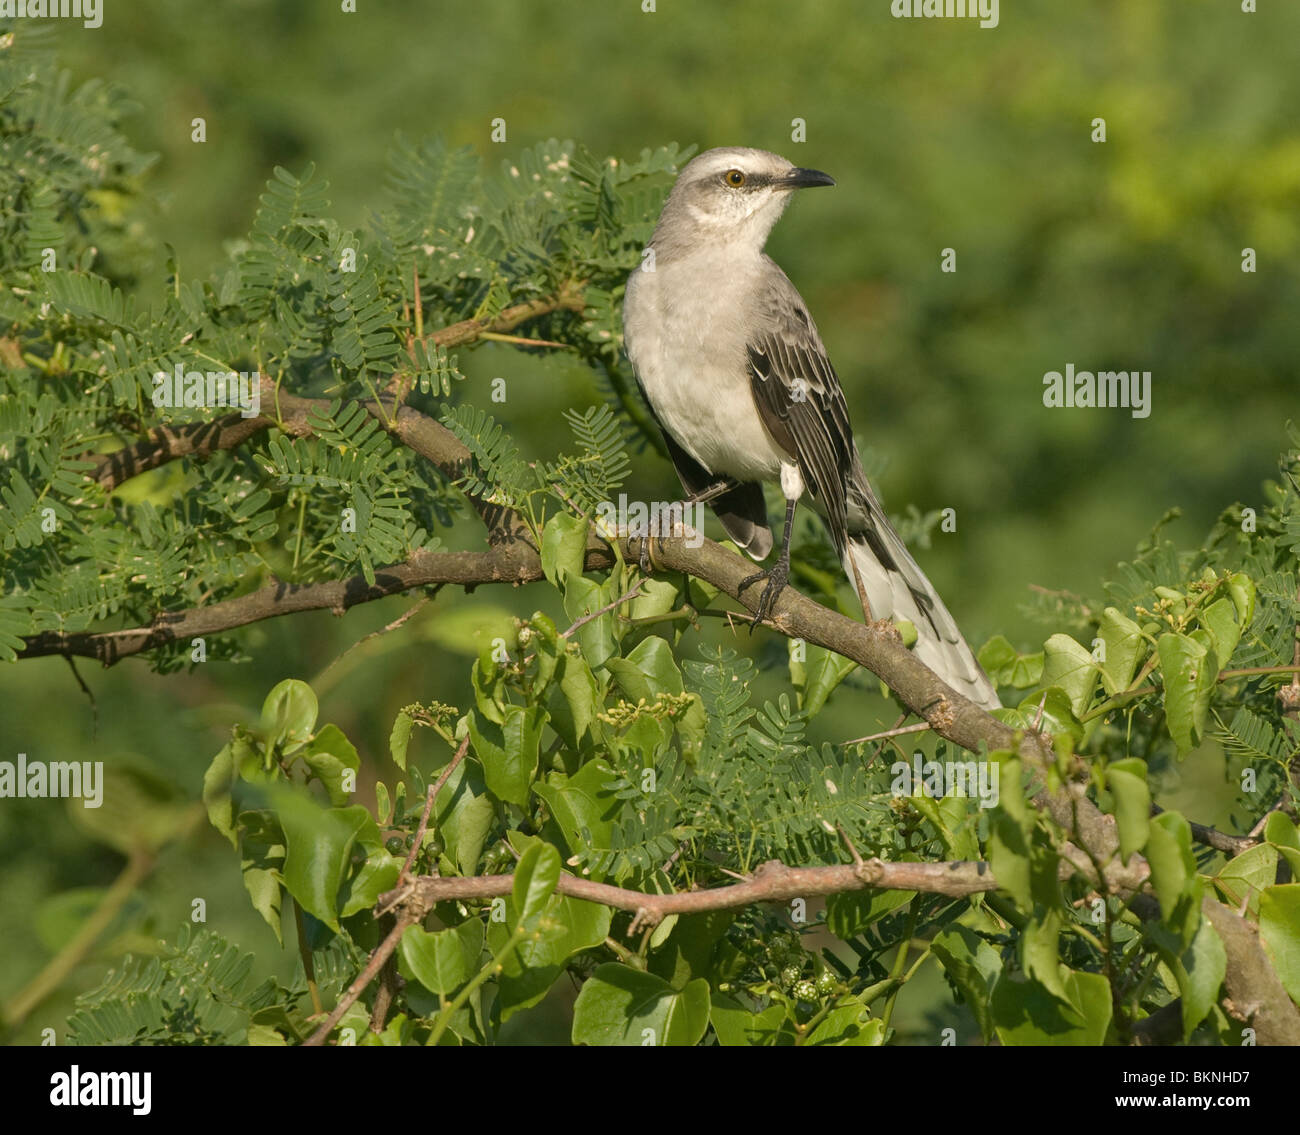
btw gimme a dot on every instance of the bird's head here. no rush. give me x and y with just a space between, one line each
732 195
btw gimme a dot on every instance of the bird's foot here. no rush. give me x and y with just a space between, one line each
777 576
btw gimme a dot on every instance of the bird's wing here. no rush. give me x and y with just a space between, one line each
799 398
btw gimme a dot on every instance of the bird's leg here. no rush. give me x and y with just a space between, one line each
777 576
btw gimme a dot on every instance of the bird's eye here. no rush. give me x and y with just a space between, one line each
734 177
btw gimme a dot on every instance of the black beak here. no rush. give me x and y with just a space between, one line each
799 178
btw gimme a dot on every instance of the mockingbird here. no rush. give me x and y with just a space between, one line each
731 364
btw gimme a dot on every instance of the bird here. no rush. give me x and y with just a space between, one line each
734 371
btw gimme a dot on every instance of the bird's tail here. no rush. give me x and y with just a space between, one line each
894 587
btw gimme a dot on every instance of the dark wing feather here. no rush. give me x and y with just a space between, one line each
799 398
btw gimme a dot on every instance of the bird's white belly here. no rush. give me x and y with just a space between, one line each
712 415
692 365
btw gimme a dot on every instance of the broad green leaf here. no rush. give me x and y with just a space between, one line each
848 1025
289 715
400 738
1245 875
824 671
1189 671
1279 930
463 814
564 546
444 960
647 671
1006 666
329 756
1070 667
584 597
1285 836
536 874
656 597
852 912
318 850
619 1005
1039 955
737 1027
1123 639
1199 970
1026 1013
581 804
973 966
1220 619
509 754
1127 781
1241 590
566 927
576 704
1173 870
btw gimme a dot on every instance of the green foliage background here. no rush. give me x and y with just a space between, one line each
1124 255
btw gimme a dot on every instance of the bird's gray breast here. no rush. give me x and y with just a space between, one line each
686 328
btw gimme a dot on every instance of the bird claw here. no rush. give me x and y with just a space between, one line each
777 577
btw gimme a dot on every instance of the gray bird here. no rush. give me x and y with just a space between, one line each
731 364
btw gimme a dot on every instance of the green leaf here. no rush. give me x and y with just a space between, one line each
974 967
647 671
536 874
581 804
463 814
1039 955
1285 836
1244 876
566 927
289 715
1006 666
509 755
1173 868
583 597
318 850
1127 781
574 709
1241 590
400 738
851 912
1199 970
619 1005
1067 665
1279 930
850 1024
737 1027
564 546
824 671
1189 671
1220 619
442 961
1123 639
329 756
1026 1013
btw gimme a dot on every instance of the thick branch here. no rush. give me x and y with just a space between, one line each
773 881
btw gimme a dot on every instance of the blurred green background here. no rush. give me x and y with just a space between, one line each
1124 255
